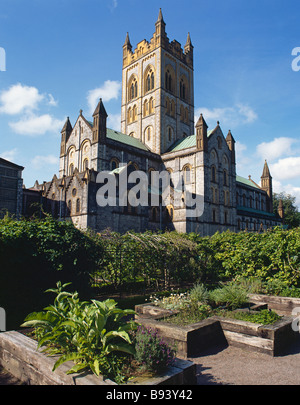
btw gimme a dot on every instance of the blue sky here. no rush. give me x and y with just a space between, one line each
62 55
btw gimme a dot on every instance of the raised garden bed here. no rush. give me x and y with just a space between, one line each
193 339
20 357
282 305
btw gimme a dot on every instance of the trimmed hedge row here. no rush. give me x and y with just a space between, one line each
35 254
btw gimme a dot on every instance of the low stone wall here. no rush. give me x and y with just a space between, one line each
20 357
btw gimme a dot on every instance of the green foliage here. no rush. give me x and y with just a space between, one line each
87 333
199 293
264 316
230 295
35 254
291 213
152 353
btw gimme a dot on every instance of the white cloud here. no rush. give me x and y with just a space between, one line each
41 161
239 114
52 101
9 154
243 161
34 125
114 122
113 4
109 91
19 98
288 189
286 169
277 148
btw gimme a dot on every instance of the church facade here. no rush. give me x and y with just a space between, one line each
157 135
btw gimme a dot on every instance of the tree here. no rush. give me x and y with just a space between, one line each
291 213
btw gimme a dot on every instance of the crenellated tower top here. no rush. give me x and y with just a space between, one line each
159 39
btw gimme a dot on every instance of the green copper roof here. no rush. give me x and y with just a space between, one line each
254 211
247 182
185 143
126 139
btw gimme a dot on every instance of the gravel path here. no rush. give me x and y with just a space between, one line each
234 366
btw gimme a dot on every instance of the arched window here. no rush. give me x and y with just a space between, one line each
149 79
225 177
187 174
134 113
77 205
214 216
132 88
170 79
172 108
167 106
114 164
213 174
129 115
85 164
182 113
151 106
148 134
71 169
69 207
146 108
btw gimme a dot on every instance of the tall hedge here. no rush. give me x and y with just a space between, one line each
34 255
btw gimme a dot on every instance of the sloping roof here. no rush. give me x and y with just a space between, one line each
247 182
125 139
185 143
10 164
254 211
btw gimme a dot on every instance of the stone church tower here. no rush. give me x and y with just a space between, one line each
157 135
158 90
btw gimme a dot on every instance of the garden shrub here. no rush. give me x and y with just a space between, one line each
93 334
35 254
152 353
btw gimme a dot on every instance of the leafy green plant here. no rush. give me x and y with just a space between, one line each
89 333
264 316
230 295
152 353
199 293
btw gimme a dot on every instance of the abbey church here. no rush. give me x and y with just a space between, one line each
158 133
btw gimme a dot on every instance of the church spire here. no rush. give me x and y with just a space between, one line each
127 42
160 17
201 134
65 133
266 185
188 41
231 145
99 124
160 26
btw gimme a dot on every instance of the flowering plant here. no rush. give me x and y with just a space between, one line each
172 302
152 353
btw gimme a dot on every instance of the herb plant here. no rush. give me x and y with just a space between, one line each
92 334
